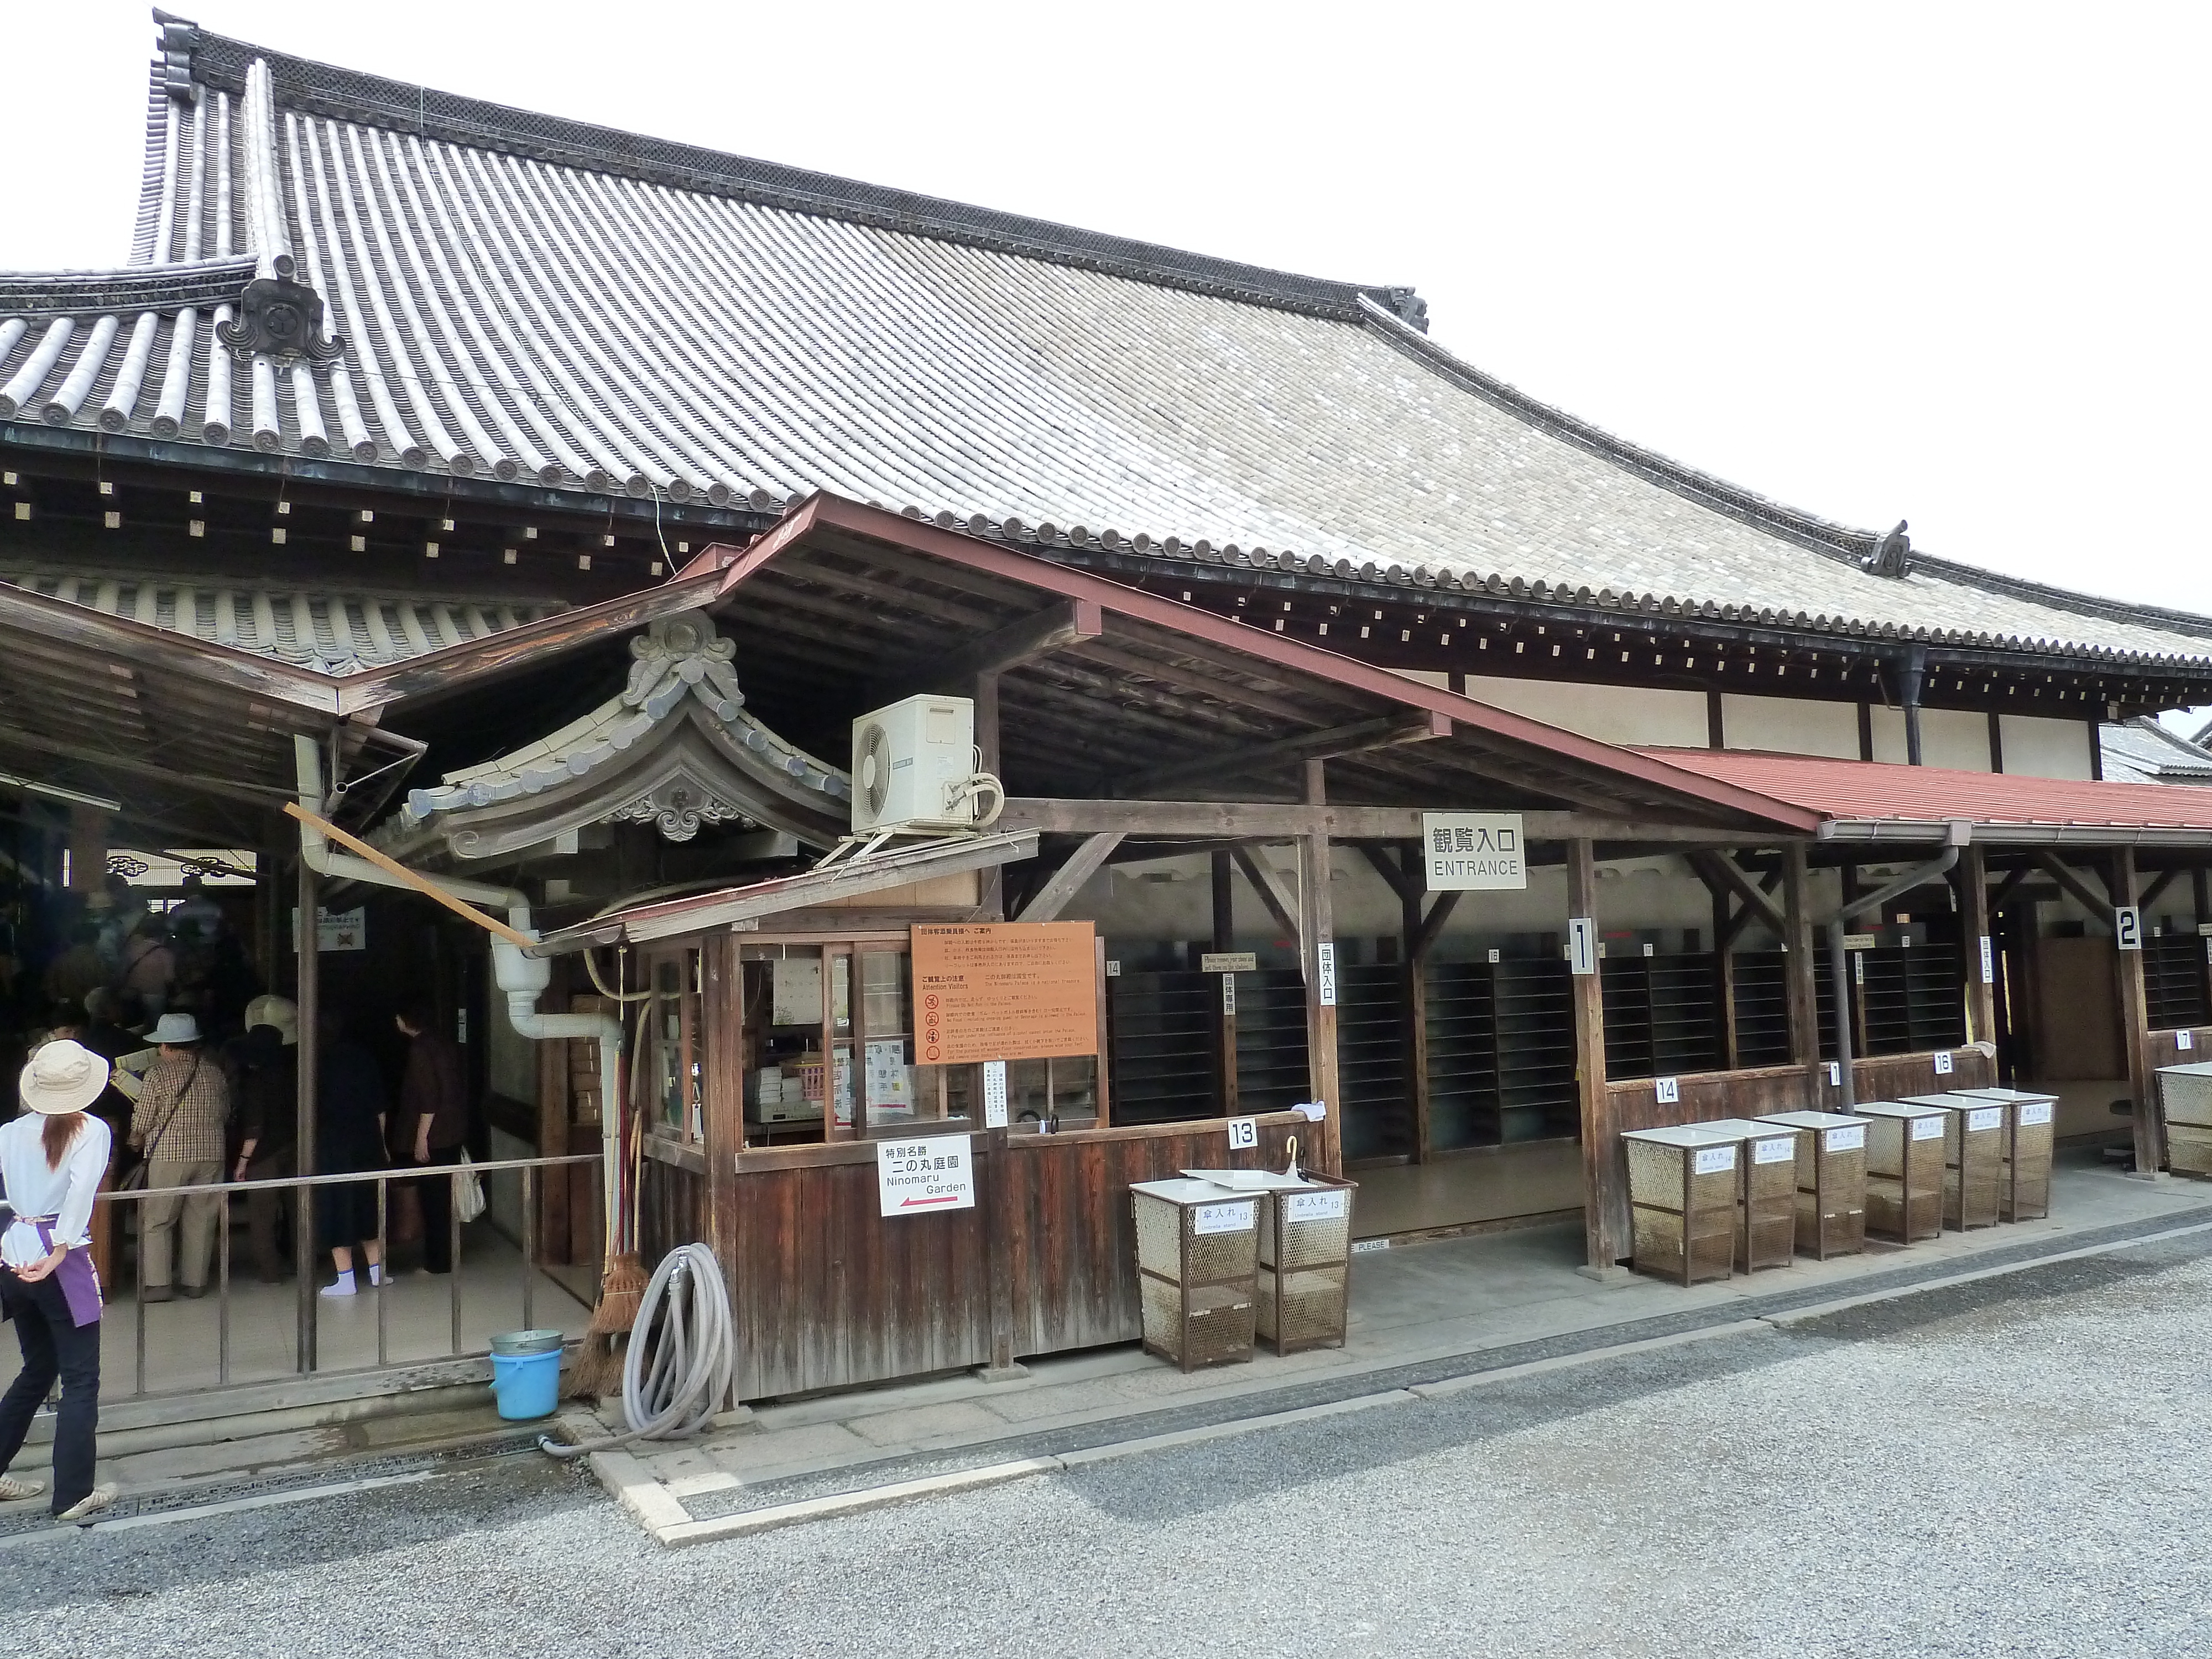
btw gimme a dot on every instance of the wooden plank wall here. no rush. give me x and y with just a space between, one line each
1709 1095
1751 1093
1071 1242
830 1293
671 1209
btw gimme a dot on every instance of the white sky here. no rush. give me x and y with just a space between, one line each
1939 263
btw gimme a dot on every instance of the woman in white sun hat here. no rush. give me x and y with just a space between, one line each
52 1160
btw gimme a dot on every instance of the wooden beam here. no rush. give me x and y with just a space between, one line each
1804 1000
1070 621
1432 924
2150 1118
1305 746
1719 869
2011 884
1412 931
1974 898
1221 872
1606 1235
1745 914
1401 882
2099 905
1066 881
2159 884
1205 820
1281 903
414 878
1318 955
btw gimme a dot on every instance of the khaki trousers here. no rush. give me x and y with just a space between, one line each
163 1219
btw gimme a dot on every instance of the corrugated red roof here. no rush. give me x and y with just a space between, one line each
1931 795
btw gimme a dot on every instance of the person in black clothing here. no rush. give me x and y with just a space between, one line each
434 1122
349 1112
264 1073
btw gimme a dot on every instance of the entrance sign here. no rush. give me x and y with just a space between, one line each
2127 927
1470 852
1326 952
1989 963
914 1177
1013 990
1229 994
1582 945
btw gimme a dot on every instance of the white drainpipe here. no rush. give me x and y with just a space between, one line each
523 979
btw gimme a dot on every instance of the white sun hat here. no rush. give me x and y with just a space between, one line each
63 1077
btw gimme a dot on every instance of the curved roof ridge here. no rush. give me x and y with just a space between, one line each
299 83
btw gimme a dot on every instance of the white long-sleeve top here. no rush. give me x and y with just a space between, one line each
65 1193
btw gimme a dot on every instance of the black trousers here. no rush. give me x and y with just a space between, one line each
436 1195
53 1346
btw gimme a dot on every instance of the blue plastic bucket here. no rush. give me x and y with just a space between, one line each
526 1385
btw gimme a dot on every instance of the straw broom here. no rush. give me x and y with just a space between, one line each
597 1370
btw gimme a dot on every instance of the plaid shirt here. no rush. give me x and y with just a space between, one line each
194 1131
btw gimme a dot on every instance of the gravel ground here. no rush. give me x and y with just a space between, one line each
2015 1468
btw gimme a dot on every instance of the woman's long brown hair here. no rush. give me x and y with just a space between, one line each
60 1131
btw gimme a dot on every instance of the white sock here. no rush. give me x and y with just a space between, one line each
344 1287
376 1272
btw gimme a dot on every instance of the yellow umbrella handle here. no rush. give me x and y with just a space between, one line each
1293 1155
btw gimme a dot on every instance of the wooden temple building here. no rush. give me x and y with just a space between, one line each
573 494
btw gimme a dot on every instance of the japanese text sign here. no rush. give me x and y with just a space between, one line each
1005 991
1468 851
914 1177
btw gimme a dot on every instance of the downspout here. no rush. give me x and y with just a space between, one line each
1918 876
522 979
1911 679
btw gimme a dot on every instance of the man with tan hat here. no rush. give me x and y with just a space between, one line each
183 1106
52 1160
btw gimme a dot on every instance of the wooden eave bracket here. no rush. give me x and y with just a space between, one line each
1360 736
1070 621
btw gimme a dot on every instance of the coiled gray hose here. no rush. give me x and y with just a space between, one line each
694 1355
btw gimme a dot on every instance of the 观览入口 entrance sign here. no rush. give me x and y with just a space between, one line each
1469 852
1011 990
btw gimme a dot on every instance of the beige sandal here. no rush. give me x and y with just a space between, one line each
89 1505
15 1491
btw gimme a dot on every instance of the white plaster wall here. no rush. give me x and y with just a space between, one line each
1614 714
1790 726
1954 738
1889 735
2036 747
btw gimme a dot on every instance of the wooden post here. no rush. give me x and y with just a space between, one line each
1412 869
1974 912
999 1229
87 847
1317 955
1804 999
723 1116
1105 1037
991 886
2134 1027
1724 971
1222 873
1606 1231
309 942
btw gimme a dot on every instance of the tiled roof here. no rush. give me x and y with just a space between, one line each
331 633
1867 790
2144 752
517 296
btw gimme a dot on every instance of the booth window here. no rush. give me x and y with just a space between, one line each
678 1064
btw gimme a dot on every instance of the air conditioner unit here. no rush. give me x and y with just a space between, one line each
910 761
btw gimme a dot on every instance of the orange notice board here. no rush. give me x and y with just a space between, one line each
1012 990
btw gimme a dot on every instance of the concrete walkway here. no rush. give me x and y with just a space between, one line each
1420 1315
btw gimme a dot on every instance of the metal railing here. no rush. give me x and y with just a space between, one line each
306 1253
